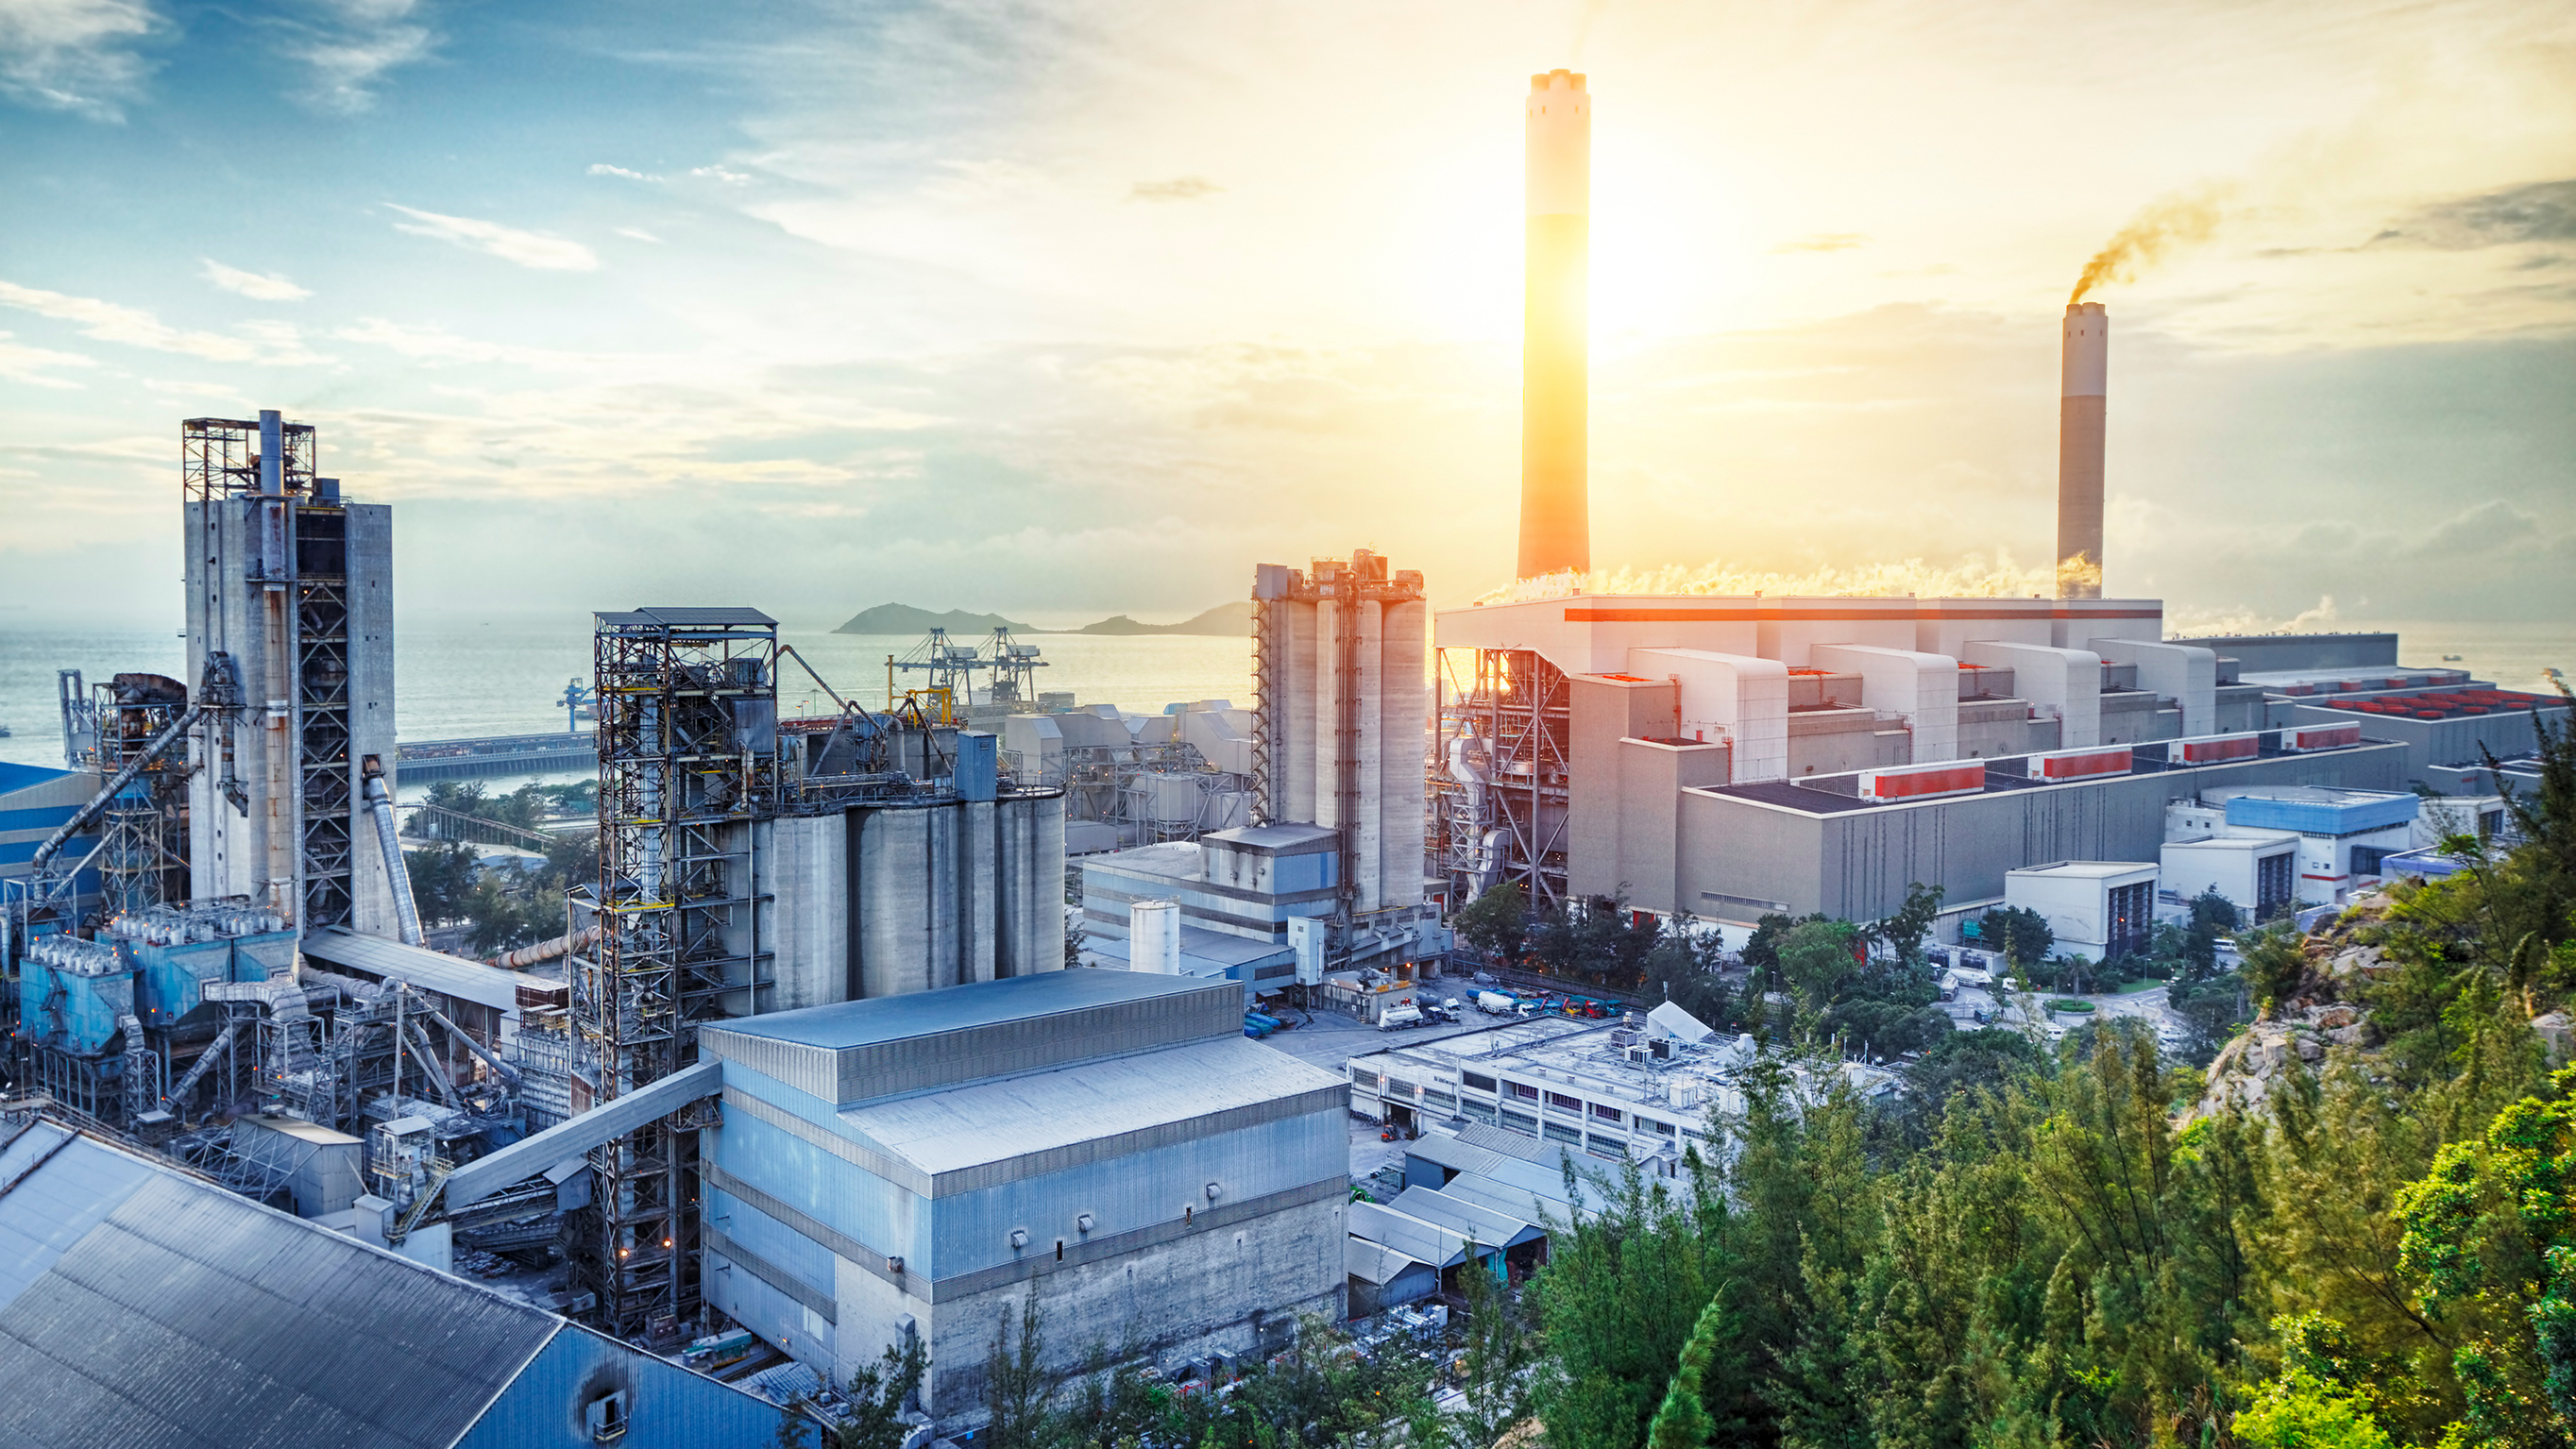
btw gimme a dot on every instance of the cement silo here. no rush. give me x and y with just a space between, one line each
1343 664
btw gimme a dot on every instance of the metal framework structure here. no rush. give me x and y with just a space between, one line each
143 831
1510 828
306 579
1269 699
688 759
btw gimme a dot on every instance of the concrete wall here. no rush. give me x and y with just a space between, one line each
2065 684
2432 742
2264 653
2184 673
804 862
1406 730
1600 712
371 707
1736 698
1923 688
1856 864
941 895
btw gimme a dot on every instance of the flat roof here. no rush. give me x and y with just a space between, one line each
687 617
958 1008
2087 869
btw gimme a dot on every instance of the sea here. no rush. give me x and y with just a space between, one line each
458 677
468 677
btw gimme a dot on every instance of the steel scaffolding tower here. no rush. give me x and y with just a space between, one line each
1509 826
688 759
143 832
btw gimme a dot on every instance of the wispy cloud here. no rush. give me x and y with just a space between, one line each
639 234
351 44
535 250
33 365
258 286
74 55
1179 188
2544 211
269 342
1823 241
602 168
719 173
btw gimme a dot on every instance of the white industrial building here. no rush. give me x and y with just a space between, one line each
2096 909
1105 1140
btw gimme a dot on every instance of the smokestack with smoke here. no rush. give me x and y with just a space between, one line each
1556 529
2079 450
2165 224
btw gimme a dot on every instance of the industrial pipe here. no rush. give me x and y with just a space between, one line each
565 945
117 782
389 845
508 1073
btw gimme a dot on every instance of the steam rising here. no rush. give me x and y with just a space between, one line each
2183 219
1973 578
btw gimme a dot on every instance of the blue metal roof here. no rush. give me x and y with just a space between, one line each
2321 812
19 777
955 1008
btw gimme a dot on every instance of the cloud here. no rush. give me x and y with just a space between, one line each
639 234
602 168
258 286
534 250
351 44
1179 188
268 342
718 173
2542 211
20 363
74 55
1823 241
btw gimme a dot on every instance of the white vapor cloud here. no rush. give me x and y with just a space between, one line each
267 342
74 55
534 250
602 168
258 286
639 234
719 173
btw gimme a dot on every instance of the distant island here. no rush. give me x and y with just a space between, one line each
1225 619
905 619
1233 618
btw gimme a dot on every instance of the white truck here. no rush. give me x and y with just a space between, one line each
1397 1017
1499 1004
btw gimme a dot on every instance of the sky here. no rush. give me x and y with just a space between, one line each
1086 307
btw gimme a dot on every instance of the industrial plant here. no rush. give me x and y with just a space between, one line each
876 1024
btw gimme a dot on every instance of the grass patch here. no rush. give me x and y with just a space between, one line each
2065 1003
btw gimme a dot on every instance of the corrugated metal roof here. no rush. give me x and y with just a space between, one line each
1484 1224
996 1121
1525 1203
186 1316
926 1013
429 970
1411 1236
1374 1262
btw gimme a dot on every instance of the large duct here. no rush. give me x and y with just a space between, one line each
2079 451
1556 532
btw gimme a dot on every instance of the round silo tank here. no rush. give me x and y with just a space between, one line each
1154 937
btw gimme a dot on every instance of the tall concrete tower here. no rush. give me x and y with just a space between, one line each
1556 529
2079 451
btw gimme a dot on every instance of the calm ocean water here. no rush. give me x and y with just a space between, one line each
455 679
458 678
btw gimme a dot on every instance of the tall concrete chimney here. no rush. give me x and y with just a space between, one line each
2079 451
1556 529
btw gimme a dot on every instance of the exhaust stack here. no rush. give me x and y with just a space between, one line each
1556 530
2079 451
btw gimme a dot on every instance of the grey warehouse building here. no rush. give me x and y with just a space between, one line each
1107 1142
